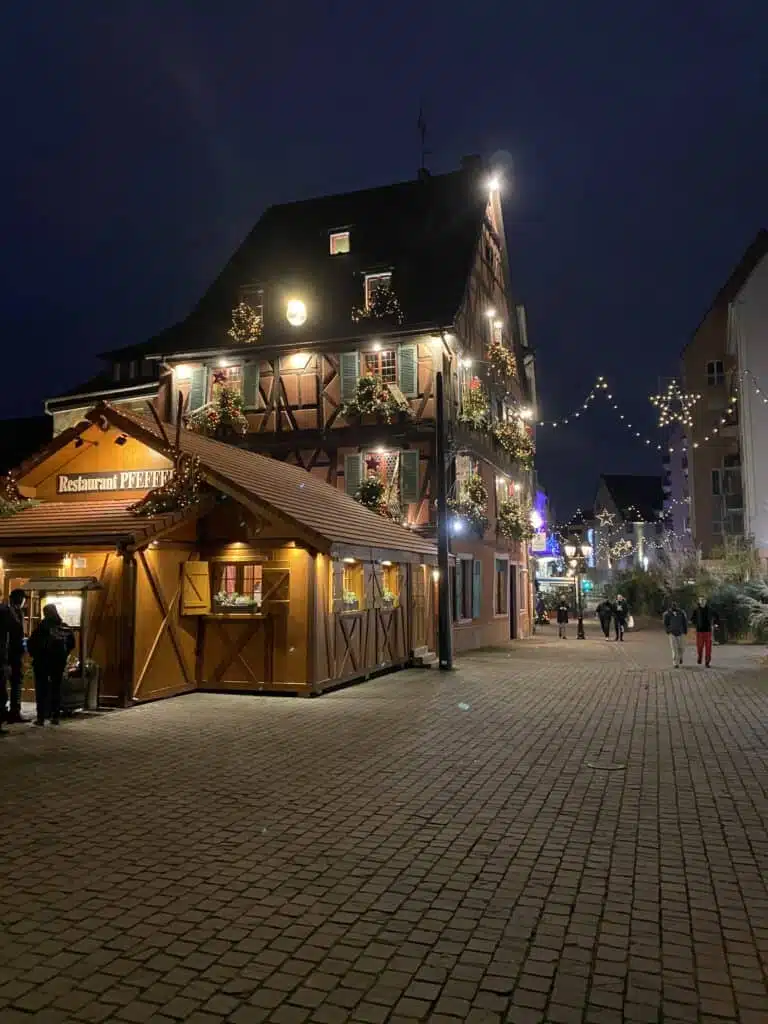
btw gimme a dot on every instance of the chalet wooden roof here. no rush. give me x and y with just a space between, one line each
425 231
324 512
80 523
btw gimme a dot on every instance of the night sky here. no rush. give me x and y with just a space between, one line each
143 139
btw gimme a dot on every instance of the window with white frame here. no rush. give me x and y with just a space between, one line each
227 377
376 284
464 470
339 242
715 373
382 364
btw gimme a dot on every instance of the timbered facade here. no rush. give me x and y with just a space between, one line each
392 285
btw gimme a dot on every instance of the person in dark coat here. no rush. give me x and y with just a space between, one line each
605 614
562 619
49 646
702 622
12 655
620 616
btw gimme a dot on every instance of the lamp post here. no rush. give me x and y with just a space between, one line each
577 555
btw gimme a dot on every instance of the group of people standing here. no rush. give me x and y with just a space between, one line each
48 645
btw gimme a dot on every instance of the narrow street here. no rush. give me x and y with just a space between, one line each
559 831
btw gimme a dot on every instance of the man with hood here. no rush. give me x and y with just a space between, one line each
12 655
676 626
702 623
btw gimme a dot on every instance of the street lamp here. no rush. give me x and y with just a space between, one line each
578 559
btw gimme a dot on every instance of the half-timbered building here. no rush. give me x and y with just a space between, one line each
329 324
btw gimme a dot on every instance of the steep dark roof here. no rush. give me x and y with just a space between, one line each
753 254
636 497
425 231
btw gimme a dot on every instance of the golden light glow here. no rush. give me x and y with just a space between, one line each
436 575
494 183
376 346
296 312
223 363
350 561
298 360
490 312
183 371
386 563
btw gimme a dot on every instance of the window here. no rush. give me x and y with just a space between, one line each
390 585
339 242
501 587
715 373
227 377
497 332
116 368
717 527
375 283
716 488
353 587
467 588
382 364
237 587
464 469
133 369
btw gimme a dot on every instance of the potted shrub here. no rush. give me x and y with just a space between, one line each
350 601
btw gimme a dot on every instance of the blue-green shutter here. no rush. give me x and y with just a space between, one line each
197 388
457 591
409 476
408 370
251 385
349 371
353 474
477 588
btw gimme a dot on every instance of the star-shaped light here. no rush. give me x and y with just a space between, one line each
621 547
606 518
675 405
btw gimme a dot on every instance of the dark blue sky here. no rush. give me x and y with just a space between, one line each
142 140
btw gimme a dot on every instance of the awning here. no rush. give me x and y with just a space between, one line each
61 583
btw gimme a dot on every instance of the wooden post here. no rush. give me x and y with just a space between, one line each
444 637
127 627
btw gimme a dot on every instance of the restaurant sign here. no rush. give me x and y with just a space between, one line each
119 480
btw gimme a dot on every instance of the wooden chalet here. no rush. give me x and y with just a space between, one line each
390 284
270 580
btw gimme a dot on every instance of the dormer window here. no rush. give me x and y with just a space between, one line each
376 284
339 242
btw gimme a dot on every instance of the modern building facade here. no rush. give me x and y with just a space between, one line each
330 326
727 362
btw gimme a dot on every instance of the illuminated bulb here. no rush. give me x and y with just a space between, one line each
350 561
494 183
490 312
466 363
436 575
295 312
376 347
183 371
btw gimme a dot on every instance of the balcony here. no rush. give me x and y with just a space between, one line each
483 443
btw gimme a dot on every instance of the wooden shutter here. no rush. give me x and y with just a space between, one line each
195 588
251 385
408 370
458 576
198 388
353 473
477 588
409 476
349 371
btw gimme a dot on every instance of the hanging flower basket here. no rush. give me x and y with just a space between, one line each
223 419
246 324
474 405
471 506
373 398
513 519
502 360
516 438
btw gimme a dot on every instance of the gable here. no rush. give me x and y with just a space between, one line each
94 465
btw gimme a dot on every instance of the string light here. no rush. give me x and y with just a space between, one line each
675 405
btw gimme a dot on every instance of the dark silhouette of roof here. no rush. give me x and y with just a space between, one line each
425 231
753 254
636 497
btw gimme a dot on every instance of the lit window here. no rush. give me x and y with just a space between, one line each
376 284
339 242
497 328
237 587
382 364
464 469
353 583
715 373
391 586
227 377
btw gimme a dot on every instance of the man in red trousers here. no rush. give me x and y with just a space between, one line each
702 622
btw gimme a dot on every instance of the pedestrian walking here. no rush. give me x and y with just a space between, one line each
620 615
562 620
605 614
49 645
676 626
12 656
702 623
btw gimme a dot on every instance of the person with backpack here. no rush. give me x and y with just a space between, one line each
12 655
562 619
676 626
49 645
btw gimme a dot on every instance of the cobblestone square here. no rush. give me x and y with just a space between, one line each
559 831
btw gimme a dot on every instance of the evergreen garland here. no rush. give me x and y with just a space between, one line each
246 324
373 397
180 492
474 405
472 504
513 519
383 306
224 417
11 499
502 359
516 438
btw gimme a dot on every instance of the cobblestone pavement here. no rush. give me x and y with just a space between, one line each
560 831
